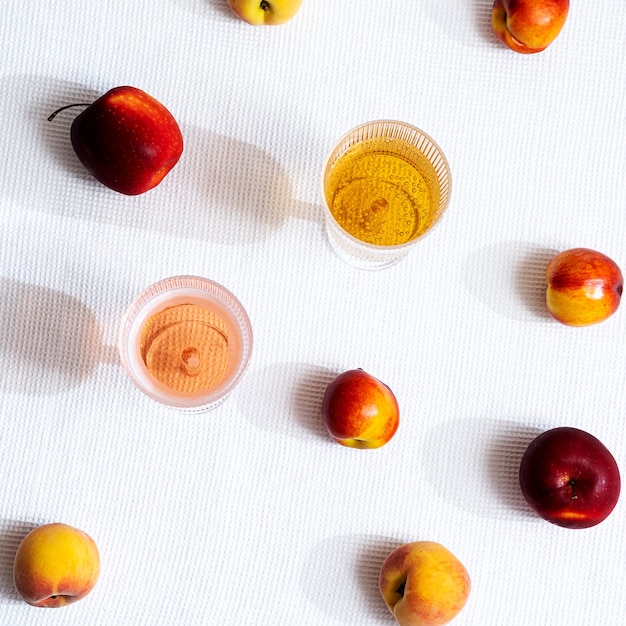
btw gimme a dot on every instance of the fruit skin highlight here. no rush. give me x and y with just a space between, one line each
359 411
584 287
569 478
126 139
528 26
265 12
55 565
424 584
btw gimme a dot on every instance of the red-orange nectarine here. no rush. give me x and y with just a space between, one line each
360 411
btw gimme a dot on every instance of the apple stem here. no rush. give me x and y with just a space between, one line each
265 5
573 486
67 106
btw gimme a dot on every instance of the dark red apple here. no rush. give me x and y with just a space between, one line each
128 140
359 410
569 478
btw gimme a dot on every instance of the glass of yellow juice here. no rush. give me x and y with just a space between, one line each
385 185
186 342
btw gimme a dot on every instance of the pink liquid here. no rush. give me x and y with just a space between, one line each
186 342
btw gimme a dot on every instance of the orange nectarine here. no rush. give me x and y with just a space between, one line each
528 26
583 287
360 411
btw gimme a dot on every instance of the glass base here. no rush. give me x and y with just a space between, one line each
360 255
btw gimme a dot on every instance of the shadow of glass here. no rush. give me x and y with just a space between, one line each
340 576
222 190
50 341
11 534
510 279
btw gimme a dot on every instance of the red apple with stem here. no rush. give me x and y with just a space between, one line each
570 478
126 139
360 411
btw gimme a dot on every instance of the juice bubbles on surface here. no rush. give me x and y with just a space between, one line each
377 197
385 185
186 342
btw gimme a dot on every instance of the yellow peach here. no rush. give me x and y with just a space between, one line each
423 584
55 565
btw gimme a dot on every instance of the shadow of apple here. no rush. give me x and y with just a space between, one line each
56 132
207 8
480 470
482 11
296 391
340 576
11 534
510 279
456 19
234 192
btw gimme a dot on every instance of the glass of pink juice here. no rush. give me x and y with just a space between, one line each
186 342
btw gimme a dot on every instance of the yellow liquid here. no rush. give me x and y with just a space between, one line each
381 192
185 347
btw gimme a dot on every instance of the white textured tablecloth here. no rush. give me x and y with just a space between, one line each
250 515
